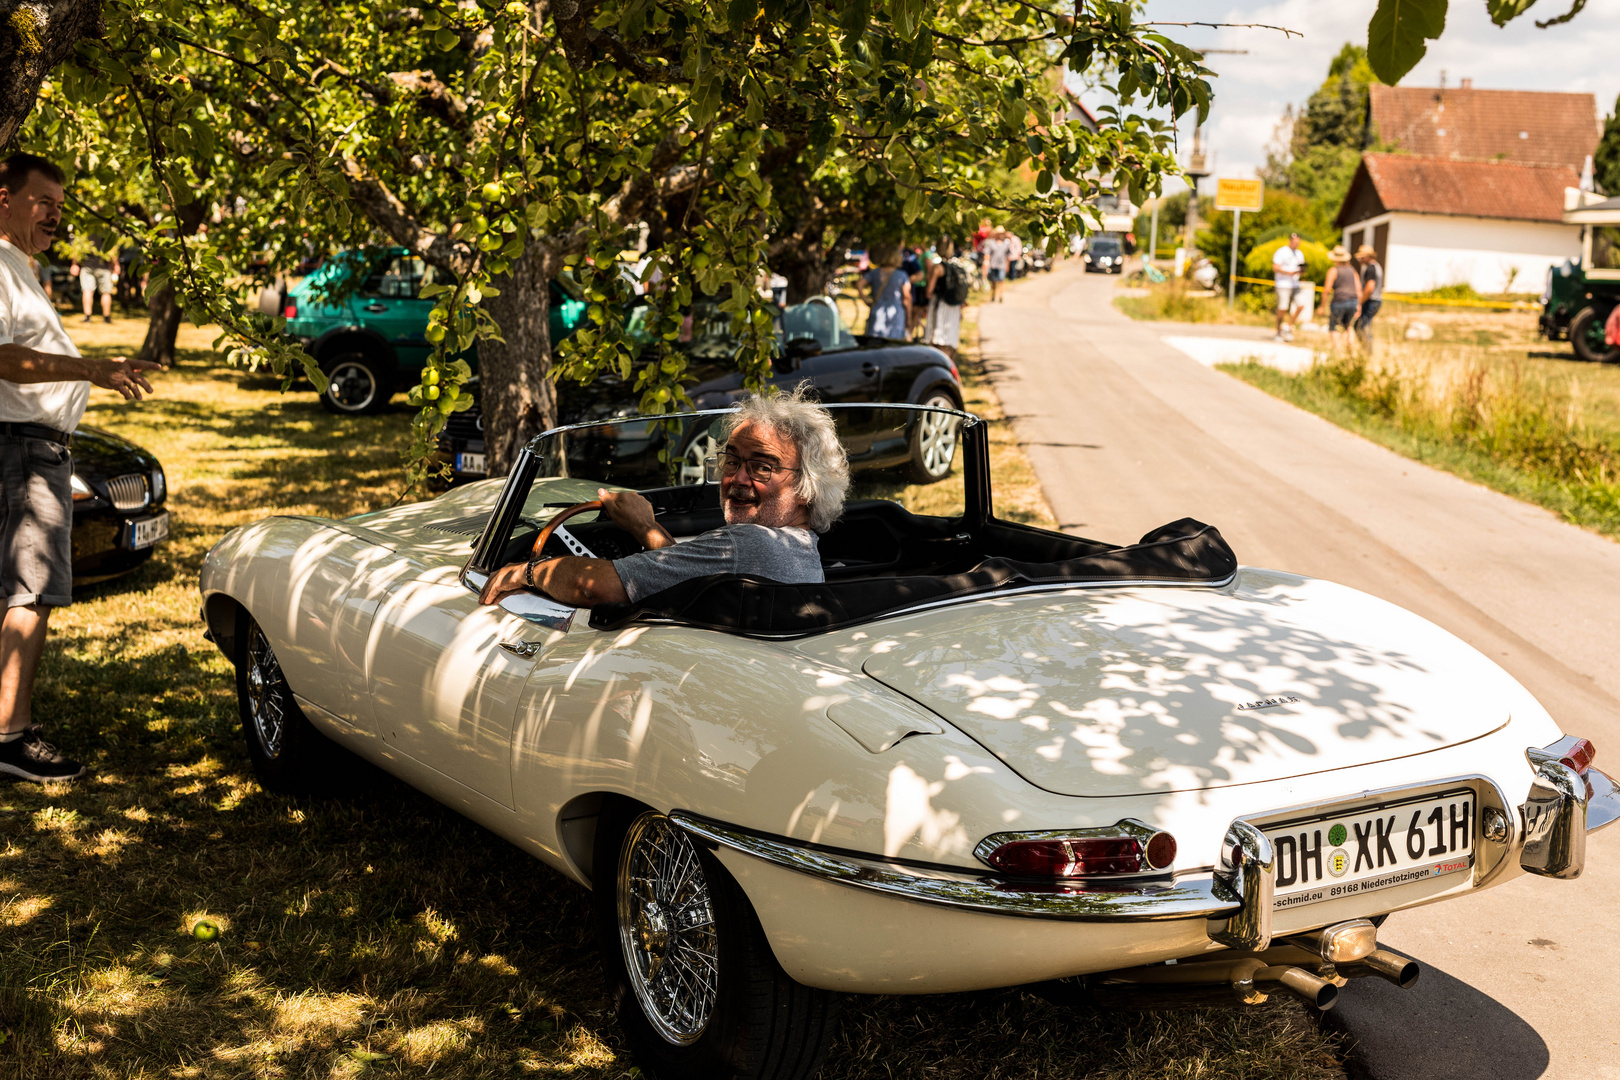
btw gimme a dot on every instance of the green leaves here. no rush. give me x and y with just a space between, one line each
740 14
1503 12
1398 35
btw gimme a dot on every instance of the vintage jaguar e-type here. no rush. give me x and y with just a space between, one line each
980 755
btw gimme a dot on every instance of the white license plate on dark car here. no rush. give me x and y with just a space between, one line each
1326 857
148 531
470 463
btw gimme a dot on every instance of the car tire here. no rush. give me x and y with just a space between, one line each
933 440
289 756
358 384
728 1011
1586 337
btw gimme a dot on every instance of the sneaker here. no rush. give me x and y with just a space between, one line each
87 318
1278 337
32 758
106 318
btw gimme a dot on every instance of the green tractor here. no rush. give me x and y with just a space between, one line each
1579 296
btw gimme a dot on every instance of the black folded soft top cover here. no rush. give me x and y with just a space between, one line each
1183 552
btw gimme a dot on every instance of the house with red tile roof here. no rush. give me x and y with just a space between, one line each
1474 193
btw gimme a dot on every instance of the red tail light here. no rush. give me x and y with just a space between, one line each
1137 851
291 310
1579 755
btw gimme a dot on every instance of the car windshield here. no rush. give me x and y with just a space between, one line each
1105 247
651 453
705 332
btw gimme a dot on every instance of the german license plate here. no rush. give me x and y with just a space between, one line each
1325 857
148 531
470 463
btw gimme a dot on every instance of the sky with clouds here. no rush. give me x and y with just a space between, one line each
1276 70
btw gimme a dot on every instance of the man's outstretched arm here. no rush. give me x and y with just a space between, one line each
20 364
567 579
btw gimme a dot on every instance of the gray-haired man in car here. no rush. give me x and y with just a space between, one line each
783 476
44 386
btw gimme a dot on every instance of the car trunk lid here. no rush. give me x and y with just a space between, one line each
1172 689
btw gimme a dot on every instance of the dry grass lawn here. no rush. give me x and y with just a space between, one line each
378 935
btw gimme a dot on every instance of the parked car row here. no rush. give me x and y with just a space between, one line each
815 348
362 316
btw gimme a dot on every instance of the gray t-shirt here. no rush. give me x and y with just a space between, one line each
787 555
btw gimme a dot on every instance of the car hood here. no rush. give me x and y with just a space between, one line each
98 454
1119 692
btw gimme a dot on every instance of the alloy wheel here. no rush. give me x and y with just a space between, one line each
936 437
353 386
666 929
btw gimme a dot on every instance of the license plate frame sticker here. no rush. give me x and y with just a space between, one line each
471 463
145 532
1365 849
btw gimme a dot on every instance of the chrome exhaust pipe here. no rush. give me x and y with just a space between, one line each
1318 993
1389 966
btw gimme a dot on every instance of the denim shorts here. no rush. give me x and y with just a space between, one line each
36 522
1341 313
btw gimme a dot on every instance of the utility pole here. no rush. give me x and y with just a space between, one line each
1231 274
1153 233
1197 168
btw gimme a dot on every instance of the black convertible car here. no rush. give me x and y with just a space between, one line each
815 347
118 515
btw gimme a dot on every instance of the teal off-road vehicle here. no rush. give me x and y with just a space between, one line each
1579 296
362 316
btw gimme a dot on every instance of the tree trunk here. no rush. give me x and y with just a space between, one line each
807 273
162 326
517 399
34 37
163 322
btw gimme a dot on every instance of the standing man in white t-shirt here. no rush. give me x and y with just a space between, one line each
1286 265
44 385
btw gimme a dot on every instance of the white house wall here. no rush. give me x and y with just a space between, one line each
1494 255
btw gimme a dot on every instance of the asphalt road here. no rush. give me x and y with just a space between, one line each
1127 433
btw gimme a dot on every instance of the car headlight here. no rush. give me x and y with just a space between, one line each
160 484
81 490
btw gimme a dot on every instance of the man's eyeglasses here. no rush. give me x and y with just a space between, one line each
725 463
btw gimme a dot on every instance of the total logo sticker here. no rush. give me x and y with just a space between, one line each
1338 862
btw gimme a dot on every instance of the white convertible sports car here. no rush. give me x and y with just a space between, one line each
980 755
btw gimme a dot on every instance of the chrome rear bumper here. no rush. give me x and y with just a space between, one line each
1235 898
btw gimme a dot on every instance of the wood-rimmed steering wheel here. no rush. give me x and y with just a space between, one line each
557 519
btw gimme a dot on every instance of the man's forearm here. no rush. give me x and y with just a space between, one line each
579 582
20 364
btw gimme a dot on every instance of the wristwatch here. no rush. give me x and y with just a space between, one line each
528 571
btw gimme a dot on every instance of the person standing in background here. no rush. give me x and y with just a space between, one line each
1015 257
888 290
1372 294
44 386
1286 265
997 253
1342 291
95 274
949 281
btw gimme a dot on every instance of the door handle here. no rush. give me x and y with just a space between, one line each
869 369
526 649
376 309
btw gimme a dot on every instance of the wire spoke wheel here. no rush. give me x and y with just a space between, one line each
266 695
667 929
